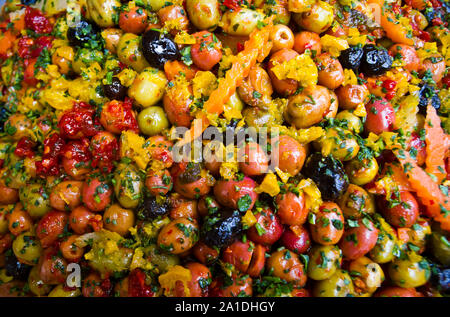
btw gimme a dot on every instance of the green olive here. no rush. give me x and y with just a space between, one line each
369 273
152 120
12 5
411 270
385 249
130 53
35 200
27 248
361 172
204 14
148 87
339 142
84 58
103 12
324 261
241 22
278 8
440 245
318 19
4 211
59 291
128 185
338 285
155 5
356 202
353 123
162 260
37 286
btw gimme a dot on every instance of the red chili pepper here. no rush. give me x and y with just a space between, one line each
240 47
446 80
389 84
41 43
36 21
78 150
24 148
79 122
104 154
390 95
137 286
436 3
232 4
424 36
24 47
53 147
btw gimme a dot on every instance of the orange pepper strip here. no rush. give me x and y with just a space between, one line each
255 49
437 145
6 42
426 189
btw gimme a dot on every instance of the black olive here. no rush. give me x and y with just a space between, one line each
351 58
115 90
28 2
84 34
15 268
4 115
440 277
428 94
191 173
375 61
221 229
328 174
158 49
151 208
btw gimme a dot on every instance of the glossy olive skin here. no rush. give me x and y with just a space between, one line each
440 245
341 143
324 260
158 49
227 194
102 11
329 224
148 87
178 236
414 271
356 201
404 213
82 33
384 249
270 228
222 231
291 208
115 90
297 239
287 265
291 156
361 172
203 14
130 53
328 175
35 200
15 268
308 107
117 219
338 285
152 120
128 185
27 248
367 276
358 241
